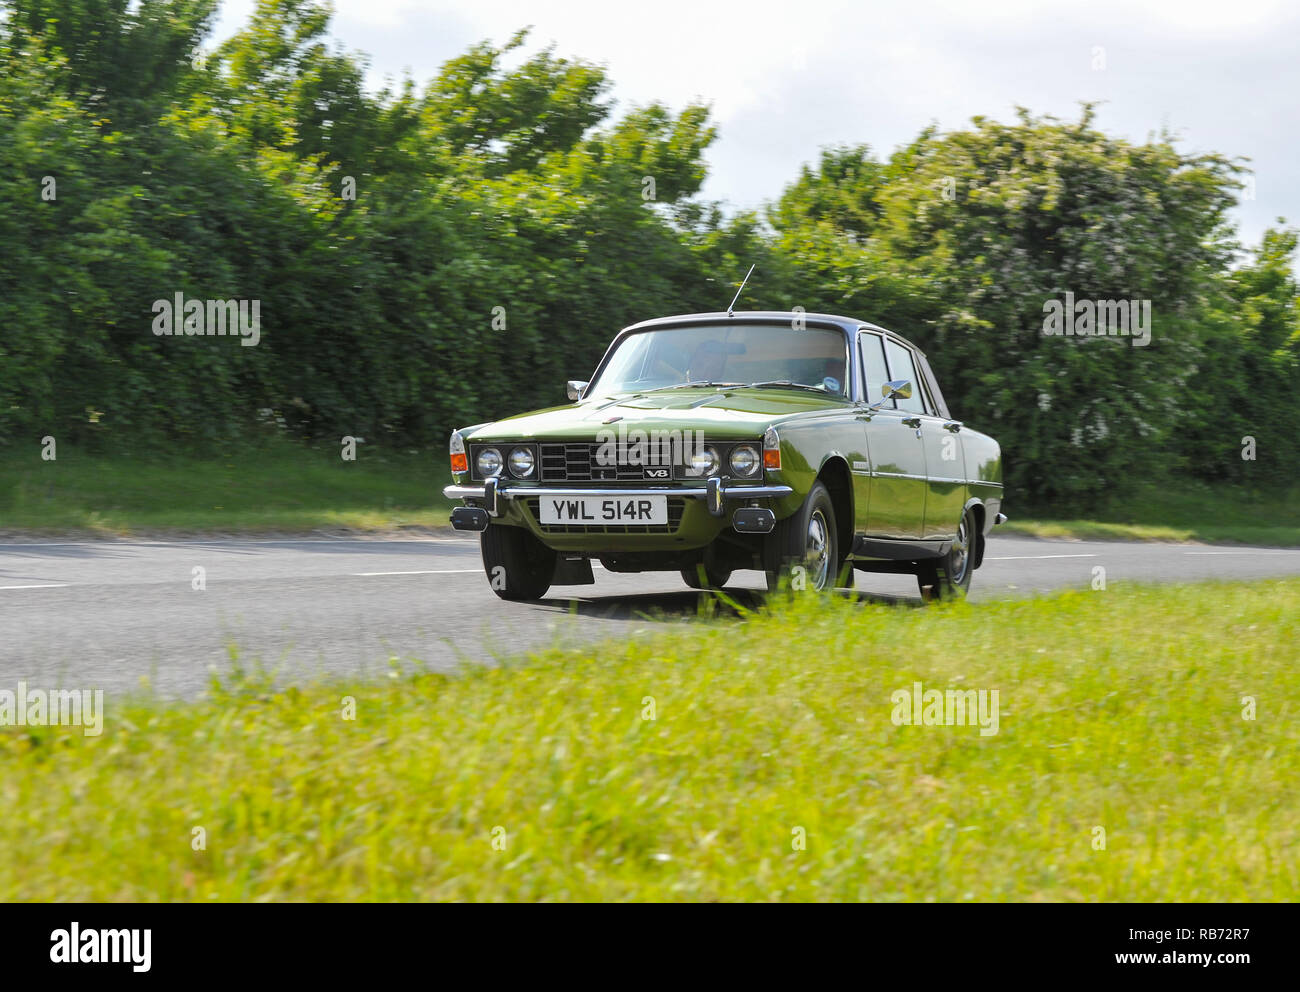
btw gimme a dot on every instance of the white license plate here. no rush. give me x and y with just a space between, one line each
604 510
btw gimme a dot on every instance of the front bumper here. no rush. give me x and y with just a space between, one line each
715 493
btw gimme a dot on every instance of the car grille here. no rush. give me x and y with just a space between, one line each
576 462
676 504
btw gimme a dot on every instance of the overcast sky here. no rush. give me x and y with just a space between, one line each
785 79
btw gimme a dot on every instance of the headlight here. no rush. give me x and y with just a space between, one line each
704 462
744 460
521 463
488 462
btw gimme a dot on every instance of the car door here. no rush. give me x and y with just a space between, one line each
945 467
896 449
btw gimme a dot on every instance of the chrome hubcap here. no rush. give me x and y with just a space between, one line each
961 551
817 552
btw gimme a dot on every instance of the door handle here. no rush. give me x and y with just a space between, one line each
952 425
912 422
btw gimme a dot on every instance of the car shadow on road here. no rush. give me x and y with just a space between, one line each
689 604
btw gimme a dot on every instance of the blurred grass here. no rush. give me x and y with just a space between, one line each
1175 512
1119 709
275 487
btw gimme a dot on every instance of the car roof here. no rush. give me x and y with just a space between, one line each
848 324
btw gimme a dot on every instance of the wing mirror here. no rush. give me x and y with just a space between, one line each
898 389
574 388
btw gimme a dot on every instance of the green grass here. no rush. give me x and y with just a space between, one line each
1174 512
279 488
289 488
1119 709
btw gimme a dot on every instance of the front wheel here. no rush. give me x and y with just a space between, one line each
949 577
803 549
518 566
714 577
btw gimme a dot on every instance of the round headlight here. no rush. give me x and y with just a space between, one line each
704 462
488 462
521 463
744 459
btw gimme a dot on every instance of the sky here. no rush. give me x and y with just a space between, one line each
787 79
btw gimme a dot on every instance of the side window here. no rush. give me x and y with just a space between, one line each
901 366
874 372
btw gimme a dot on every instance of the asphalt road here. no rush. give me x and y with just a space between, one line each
107 614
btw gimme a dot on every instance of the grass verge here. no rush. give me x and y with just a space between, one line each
1176 512
547 778
277 488
290 488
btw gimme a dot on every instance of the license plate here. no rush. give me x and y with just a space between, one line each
594 512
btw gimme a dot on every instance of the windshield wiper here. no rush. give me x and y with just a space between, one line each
785 382
688 385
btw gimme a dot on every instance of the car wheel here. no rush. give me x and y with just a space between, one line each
714 577
949 577
807 540
518 566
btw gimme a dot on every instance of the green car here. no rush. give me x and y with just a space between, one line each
802 445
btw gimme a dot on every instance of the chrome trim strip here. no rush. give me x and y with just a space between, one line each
926 478
899 475
693 492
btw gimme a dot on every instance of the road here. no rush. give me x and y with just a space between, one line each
107 614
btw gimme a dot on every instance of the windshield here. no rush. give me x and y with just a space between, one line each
726 354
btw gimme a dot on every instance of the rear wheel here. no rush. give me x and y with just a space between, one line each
803 549
518 566
949 577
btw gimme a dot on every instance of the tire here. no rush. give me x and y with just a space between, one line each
806 539
949 577
526 566
714 577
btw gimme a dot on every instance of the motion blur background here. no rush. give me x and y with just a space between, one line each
443 232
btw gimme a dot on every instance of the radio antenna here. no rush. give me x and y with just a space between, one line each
731 308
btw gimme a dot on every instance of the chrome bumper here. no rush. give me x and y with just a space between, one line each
714 493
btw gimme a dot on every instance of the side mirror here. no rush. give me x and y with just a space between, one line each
574 388
899 389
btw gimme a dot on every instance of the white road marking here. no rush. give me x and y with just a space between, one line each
448 571
231 542
1247 551
1024 557
432 571
45 585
